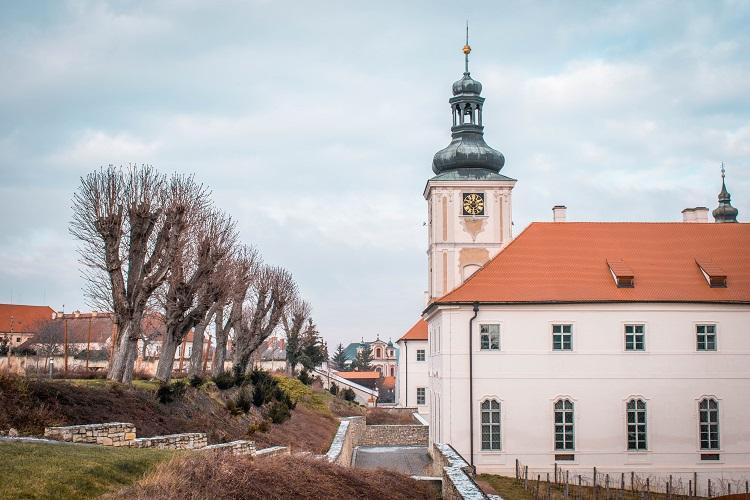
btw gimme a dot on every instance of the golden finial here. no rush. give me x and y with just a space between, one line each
467 49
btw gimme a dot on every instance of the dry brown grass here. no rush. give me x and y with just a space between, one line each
217 476
389 416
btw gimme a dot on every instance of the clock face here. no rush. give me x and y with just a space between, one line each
473 204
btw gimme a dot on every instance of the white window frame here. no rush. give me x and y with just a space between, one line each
424 396
562 334
424 355
715 334
636 411
572 425
491 424
717 448
499 331
625 333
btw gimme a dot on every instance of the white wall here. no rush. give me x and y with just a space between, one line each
527 376
417 375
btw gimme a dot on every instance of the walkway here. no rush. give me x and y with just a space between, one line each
410 460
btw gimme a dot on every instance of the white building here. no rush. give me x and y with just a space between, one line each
412 383
623 346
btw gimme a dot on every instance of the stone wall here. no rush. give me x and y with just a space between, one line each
240 447
273 451
348 437
109 434
458 477
395 435
186 441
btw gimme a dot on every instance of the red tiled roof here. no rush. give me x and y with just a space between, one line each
388 383
358 375
567 262
416 332
23 319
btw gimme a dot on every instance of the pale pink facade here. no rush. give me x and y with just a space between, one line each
412 382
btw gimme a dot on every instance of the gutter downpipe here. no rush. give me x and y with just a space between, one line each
471 387
406 372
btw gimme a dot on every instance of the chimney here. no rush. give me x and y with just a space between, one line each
697 214
558 213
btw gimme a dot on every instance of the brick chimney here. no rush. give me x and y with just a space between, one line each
697 214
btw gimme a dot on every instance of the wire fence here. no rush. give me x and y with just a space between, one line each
565 484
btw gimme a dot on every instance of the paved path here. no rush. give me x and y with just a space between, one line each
410 460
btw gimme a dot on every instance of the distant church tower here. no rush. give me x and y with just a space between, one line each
469 201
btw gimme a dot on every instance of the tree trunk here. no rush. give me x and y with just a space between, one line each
220 354
166 356
196 358
131 355
119 357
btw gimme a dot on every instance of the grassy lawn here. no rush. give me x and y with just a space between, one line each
31 470
506 487
146 385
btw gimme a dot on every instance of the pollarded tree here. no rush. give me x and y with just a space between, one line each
195 280
338 361
129 222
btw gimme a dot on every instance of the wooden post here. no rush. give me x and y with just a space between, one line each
669 488
526 477
729 488
555 472
695 484
606 486
566 486
596 493
88 345
709 488
536 490
518 473
632 481
690 489
65 348
648 487
747 487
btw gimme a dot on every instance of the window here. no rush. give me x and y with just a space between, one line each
708 410
635 338
562 337
490 337
491 425
636 424
420 355
705 337
18 340
378 353
420 395
564 438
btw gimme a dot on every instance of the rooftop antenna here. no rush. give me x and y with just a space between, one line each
467 49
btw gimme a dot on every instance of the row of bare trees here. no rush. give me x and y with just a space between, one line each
155 242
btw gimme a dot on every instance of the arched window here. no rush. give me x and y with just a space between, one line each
378 353
636 417
393 371
708 411
378 369
564 426
491 425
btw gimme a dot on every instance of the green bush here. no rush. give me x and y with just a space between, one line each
348 394
278 412
305 378
334 389
259 395
238 377
261 426
224 380
232 407
196 381
167 393
243 400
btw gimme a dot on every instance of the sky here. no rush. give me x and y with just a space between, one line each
314 124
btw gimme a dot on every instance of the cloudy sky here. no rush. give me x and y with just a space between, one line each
314 124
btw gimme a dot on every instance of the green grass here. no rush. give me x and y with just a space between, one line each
506 487
145 385
31 470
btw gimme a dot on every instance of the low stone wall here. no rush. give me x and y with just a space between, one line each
273 451
240 447
109 434
395 435
186 441
348 436
458 480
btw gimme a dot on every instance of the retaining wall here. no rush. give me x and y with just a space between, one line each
186 441
240 447
109 434
395 435
458 476
348 436
273 451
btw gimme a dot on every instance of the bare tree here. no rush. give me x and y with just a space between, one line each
272 289
129 222
243 268
49 338
195 280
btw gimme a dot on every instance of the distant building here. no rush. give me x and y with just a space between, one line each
412 380
18 323
271 355
384 356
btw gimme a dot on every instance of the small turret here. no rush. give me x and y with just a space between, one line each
725 212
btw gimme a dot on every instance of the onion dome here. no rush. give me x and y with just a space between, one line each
725 212
467 153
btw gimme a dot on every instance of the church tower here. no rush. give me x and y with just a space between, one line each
468 200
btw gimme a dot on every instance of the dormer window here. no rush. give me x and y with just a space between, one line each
715 276
621 273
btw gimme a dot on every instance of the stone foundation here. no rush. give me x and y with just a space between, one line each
239 447
109 434
395 435
186 441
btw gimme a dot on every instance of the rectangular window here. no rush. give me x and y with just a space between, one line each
489 337
562 337
420 355
636 416
491 425
564 437
421 395
705 337
635 338
708 410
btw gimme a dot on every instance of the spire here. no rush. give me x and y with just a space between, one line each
467 154
725 212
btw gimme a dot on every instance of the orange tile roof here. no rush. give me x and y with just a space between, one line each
416 332
23 319
389 383
358 375
567 262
